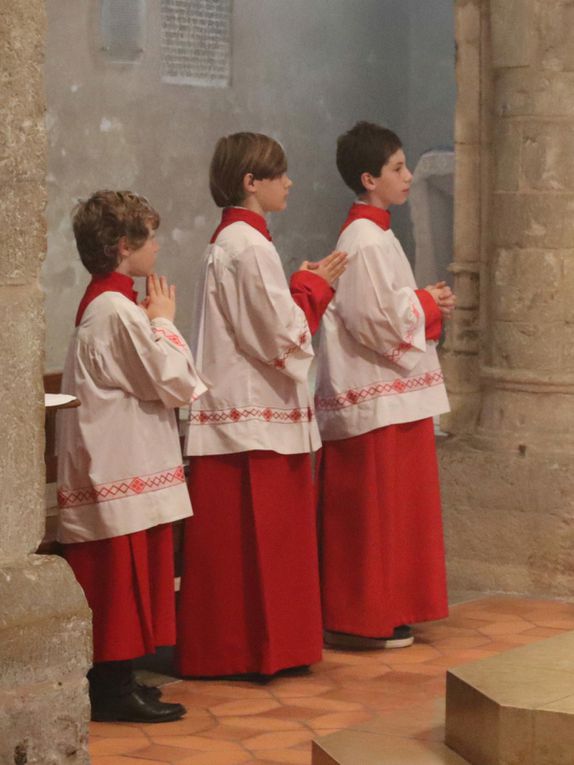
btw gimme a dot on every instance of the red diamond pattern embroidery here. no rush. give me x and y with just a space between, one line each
397 386
105 492
226 416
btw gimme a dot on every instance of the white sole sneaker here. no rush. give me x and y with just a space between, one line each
360 643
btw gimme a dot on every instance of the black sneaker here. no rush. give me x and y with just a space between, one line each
401 638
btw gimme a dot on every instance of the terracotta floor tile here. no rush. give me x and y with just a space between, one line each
244 707
117 745
262 723
119 759
288 756
199 743
161 753
339 720
285 689
116 730
215 758
194 722
398 692
276 740
228 732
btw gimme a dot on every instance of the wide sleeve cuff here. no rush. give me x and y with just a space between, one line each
312 294
433 316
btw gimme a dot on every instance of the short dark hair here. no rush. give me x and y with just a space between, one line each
365 148
102 220
238 154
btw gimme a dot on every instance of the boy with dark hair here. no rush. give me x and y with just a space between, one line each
379 386
120 474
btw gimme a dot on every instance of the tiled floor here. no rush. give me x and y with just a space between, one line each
399 691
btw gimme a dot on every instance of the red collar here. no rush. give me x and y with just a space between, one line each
233 214
114 282
376 214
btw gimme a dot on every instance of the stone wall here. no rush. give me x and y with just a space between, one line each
44 621
508 474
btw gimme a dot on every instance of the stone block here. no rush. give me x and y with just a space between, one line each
513 92
514 708
22 101
468 24
463 331
547 160
506 530
467 204
466 286
554 23
528 409
526 285
21 421
507 148
567 286
552 94
512 32
351 747
533 221
45 652
23 242
527 345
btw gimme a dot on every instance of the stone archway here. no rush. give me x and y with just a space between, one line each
45 634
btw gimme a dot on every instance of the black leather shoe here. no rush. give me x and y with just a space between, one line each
135 707
149 691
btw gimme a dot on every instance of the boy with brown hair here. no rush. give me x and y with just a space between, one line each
249 601
379 386
120 474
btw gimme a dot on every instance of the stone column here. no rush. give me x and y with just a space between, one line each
509 480
472 140
44 620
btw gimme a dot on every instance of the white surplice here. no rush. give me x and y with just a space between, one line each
252 344
119 458
375 367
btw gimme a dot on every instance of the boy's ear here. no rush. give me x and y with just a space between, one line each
124 250
367 181
248 183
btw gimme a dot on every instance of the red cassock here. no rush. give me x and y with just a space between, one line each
379 492
379 385
128 583
249 599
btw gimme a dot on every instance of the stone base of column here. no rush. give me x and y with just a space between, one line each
45 652
509 519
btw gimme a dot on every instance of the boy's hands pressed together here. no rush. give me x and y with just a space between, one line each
329 268
443 297
160 300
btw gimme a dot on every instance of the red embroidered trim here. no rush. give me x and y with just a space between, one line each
396 353
227 416
129 487
279 361
171 336
376 390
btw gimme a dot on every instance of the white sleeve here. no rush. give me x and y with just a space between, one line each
381 316
150 361
266 322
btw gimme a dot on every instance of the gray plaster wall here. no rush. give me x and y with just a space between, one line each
302 71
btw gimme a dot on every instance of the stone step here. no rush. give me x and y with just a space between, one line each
356 747
517 707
